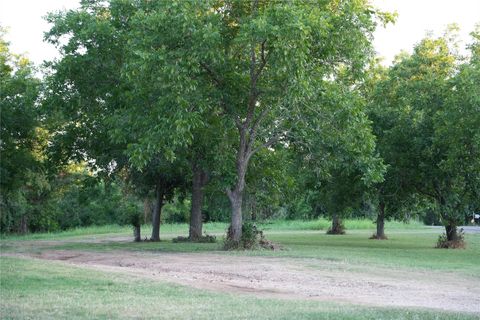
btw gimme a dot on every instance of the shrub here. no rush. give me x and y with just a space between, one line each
458 243
252 238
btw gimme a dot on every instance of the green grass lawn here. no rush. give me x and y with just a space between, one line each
212 227
34 289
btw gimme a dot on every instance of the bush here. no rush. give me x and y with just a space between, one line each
252 238
458 243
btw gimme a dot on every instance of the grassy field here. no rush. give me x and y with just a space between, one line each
38 289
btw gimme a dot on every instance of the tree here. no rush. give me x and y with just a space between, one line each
265 63
457 136
337 151
416 104
84 86
247 63
395 194
102 112
22 178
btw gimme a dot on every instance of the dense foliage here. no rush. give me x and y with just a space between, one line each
232 110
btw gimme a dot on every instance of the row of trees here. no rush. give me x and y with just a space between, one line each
264 105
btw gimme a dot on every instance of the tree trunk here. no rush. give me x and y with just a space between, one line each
381 221
336 222
157 211
337 225
236 198
451 231
253 209
23 228
236 195
136 233
198 182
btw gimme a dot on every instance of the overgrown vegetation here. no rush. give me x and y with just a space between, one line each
252 238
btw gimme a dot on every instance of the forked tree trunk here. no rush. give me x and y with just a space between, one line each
136 233
198 182
157 211
381 221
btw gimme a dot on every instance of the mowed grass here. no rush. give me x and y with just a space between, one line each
410 245
33 289
211 227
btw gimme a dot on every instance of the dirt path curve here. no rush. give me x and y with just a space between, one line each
289 278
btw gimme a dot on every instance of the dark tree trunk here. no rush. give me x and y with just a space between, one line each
23 228
198 182
451 232
136 233
157 211
381 221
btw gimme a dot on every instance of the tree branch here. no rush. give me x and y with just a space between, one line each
212 74
274 139
219 83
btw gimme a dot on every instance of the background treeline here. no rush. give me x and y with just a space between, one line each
233 110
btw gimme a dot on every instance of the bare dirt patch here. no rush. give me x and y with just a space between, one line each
288 278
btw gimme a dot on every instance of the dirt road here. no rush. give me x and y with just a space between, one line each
287 278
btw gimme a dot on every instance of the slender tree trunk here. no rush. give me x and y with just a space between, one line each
247 129
157 211
23 228
198 182
136 233
253 209
381 221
